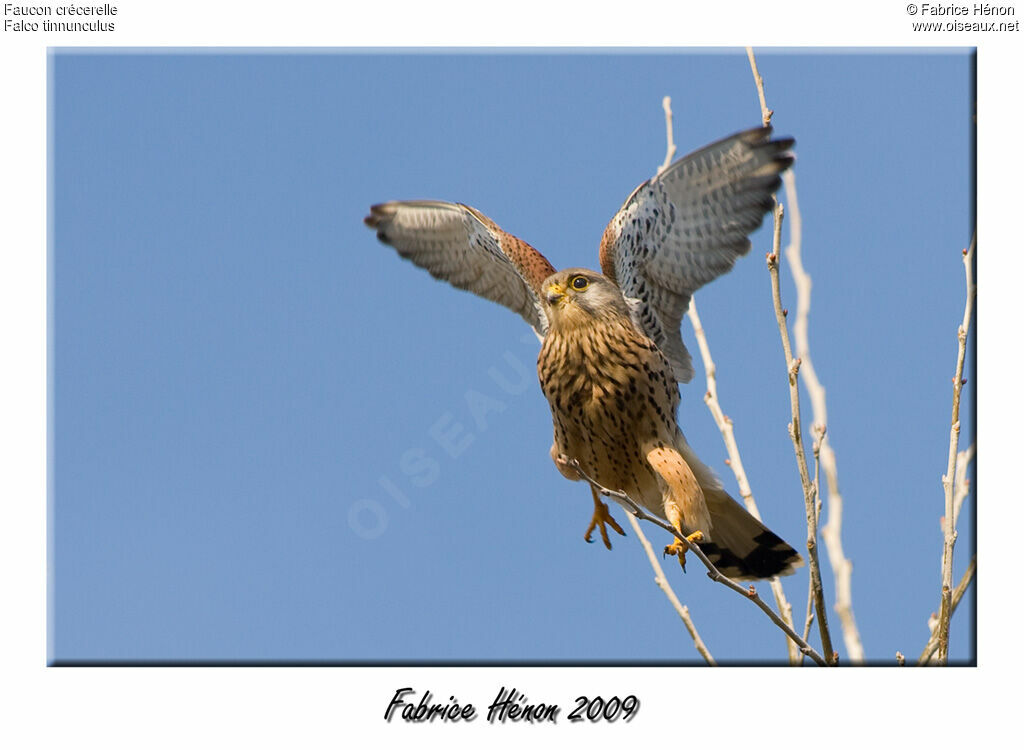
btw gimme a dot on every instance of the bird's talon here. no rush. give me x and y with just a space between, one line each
676 548
679 547
601 517
679 550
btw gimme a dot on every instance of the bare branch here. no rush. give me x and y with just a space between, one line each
659 578
725 426
793 367
810 500
819 439
713 573
963 484
670 150
809 617
948 520
958 594
831 533
766 114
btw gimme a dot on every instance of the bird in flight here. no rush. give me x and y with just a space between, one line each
612 354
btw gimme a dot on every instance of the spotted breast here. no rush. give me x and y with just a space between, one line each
612 397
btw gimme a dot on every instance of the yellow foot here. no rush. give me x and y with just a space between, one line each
601 517
679 549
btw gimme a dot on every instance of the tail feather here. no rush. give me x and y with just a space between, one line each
744 548
740 546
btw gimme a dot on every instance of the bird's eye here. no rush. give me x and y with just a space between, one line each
579 283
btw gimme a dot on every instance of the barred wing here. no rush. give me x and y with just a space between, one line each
460 245
686 226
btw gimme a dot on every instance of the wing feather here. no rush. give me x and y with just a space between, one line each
686 227
460 245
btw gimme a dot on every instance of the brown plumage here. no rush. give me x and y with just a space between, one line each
613 401
612 355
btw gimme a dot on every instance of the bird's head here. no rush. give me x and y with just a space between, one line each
578 296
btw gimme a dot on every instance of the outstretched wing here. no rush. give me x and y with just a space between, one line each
460 245
686 226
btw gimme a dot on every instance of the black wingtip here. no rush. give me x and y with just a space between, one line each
763 135
784 144
377 213
782 155
785 161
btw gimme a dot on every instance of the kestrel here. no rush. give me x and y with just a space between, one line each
612 355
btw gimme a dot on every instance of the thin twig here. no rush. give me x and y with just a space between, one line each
793 367
962 488
809 618
831 532
963 483
670 150
819 439
766 114
713 573
948 520
659 578
725 426
958 594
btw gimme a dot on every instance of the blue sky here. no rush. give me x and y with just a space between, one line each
249 393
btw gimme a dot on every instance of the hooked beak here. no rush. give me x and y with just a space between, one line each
555 293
